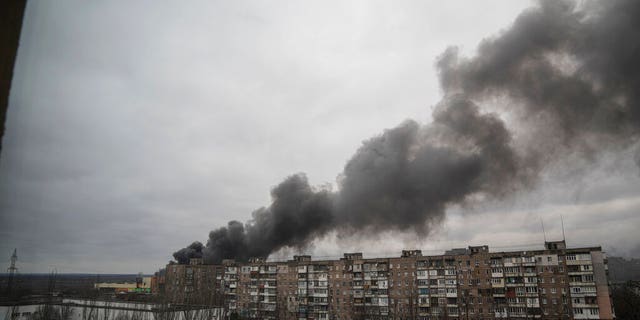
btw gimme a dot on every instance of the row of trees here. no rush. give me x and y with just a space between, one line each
94 306
626 300
105 310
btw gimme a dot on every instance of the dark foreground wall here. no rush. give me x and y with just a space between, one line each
11 13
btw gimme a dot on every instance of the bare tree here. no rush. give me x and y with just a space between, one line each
89 310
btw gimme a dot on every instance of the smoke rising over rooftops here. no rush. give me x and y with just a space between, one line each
568 75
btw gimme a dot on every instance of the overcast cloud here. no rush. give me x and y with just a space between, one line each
134 128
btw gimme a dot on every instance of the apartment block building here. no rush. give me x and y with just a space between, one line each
470 283
195 284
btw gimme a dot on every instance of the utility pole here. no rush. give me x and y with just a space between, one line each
12 270
12 312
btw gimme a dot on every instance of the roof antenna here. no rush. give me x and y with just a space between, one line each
562 222
543 232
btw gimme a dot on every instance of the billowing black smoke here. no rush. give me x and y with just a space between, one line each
572 73
570 79
194 250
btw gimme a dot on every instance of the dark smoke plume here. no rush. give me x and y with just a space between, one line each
572 71
568 75
183 255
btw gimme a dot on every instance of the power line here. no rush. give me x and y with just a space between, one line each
12 312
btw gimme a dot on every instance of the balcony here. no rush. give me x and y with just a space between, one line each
576 262
584 305
268 271
319 295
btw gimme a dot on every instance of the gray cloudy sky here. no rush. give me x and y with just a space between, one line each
135 127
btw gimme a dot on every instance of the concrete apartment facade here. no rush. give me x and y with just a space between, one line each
471 283
194 284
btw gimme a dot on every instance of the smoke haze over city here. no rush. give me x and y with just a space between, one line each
566 71
281 132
